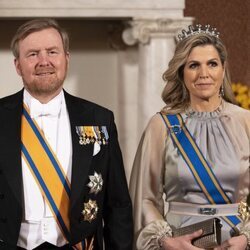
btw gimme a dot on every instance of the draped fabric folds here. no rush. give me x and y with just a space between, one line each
159 174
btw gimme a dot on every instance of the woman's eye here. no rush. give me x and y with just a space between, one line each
193 65
213 64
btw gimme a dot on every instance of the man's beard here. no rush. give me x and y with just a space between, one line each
46 87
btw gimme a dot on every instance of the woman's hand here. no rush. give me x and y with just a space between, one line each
180 242
234 243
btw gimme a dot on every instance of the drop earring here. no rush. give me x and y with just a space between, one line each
221 93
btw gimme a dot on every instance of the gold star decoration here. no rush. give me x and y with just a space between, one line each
90 210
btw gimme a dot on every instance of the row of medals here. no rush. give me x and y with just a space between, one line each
84 140
87 135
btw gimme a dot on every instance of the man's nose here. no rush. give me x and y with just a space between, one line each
43 58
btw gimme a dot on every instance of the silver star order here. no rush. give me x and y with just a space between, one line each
96 183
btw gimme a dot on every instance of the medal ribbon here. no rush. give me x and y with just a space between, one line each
87 244
46 170
198 165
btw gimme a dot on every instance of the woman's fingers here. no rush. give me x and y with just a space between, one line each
194 235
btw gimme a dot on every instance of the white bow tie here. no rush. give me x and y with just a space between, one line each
51 109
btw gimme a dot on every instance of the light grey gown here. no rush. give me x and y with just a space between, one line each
160 175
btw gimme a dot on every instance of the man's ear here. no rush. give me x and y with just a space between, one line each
17 65
67 58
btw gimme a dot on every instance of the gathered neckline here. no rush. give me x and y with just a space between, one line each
190 112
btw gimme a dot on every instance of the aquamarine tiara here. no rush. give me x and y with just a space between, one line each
198 29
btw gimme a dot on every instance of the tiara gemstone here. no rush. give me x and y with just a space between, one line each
197 29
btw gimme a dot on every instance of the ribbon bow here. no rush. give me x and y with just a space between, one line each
38 109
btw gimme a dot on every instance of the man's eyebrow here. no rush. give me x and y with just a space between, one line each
31 50
51 48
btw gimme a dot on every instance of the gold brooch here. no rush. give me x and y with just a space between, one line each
90 210
244 212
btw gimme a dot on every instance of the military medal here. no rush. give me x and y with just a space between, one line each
105 135
96 183
98 135
81 134
89 133
90 210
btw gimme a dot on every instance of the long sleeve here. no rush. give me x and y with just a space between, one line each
146 186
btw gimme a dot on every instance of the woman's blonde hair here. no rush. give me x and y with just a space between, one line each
175 93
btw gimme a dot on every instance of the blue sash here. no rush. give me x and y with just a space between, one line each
198 165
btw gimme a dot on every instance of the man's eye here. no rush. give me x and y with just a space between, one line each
32 54
52 52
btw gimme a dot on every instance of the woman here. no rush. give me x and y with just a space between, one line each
162 184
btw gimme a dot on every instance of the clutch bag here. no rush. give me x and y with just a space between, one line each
211 236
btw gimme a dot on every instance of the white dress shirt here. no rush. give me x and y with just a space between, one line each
38 224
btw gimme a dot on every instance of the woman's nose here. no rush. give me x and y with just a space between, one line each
203 72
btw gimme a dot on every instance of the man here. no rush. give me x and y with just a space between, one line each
62 181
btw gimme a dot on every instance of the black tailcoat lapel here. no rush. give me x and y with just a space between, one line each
79 115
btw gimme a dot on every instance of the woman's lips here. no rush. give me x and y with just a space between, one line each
203 85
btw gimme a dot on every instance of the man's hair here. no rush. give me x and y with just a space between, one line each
37 25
